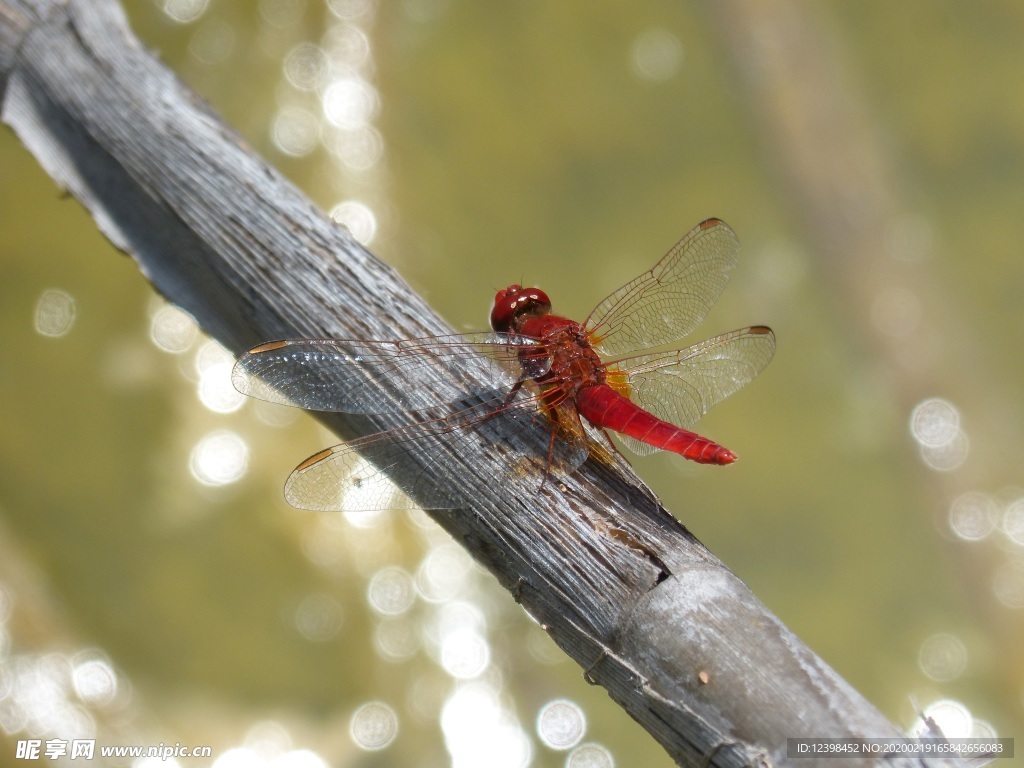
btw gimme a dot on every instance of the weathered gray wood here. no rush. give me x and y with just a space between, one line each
620 585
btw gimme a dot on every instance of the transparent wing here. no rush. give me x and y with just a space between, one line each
366 376
397 469
668 302
682 385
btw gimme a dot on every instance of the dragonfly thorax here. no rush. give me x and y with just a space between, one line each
572 363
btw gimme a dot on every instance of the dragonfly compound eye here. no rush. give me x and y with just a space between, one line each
516 302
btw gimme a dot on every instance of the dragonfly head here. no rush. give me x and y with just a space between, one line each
515 303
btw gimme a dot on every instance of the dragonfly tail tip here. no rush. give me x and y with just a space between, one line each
724 456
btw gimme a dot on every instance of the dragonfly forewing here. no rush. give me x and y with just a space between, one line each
666 303
374 377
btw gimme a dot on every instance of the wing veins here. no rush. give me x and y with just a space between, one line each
680 386
368 376
363 468
670 300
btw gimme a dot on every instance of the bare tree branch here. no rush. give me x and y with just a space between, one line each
678 641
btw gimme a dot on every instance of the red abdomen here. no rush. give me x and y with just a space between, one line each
605 408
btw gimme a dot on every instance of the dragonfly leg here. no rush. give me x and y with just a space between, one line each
513 392
508 401
608 437
588 673
551 456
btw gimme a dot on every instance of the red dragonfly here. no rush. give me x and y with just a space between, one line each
541 368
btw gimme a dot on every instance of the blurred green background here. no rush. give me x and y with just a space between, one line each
870 156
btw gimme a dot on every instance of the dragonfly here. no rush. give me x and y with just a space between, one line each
570 382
